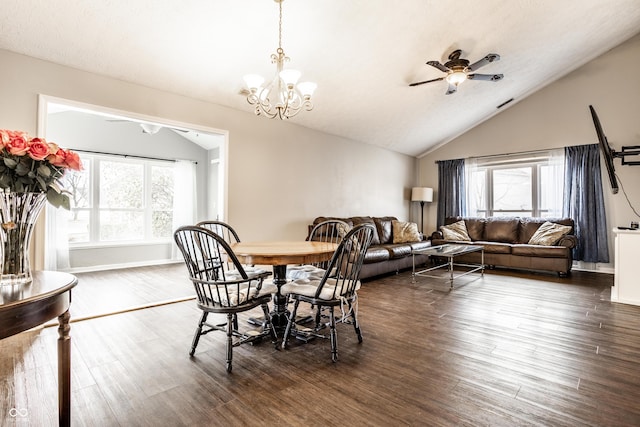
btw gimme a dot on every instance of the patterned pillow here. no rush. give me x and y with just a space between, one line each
405 232
455 231
549 233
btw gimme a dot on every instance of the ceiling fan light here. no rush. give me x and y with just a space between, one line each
456 77
149 128
253 81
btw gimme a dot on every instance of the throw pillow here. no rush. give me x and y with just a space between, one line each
548 234
405 232
455 231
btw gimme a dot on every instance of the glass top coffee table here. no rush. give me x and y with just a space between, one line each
449 251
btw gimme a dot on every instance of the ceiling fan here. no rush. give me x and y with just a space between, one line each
150 128
459 70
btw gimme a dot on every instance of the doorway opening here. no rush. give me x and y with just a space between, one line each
115 141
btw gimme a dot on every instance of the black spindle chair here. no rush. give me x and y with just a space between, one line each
330 231
223 286
337 287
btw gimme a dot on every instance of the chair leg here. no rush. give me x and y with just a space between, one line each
230 319
334 336
356 325
287 330
318 317
267 324
198 333
235 322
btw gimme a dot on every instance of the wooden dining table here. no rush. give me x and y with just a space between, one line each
279 254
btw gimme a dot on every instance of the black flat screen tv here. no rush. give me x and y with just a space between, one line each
607 153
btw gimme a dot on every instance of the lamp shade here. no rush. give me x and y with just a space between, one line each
422 194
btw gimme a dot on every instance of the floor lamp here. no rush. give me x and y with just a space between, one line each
422 194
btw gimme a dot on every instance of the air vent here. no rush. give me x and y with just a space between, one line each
504 103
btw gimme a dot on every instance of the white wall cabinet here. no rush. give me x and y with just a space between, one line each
626 284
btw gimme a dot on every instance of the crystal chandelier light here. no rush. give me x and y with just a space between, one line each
283 97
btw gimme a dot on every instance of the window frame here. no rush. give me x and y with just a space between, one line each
95 210
489 166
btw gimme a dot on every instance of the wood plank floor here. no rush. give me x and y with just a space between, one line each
506 349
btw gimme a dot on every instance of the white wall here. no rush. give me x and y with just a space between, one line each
280 175
558 116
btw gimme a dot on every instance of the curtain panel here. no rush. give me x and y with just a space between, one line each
584 202
184 199
451 189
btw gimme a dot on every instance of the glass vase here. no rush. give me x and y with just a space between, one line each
18 215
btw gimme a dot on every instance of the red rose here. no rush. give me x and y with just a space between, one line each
57 156
38 149
72 160
18 144
4 137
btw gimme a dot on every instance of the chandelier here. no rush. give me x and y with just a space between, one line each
283 97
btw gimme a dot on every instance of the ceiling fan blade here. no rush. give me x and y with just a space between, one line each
426 81
452 89
487 77
484 61
438 65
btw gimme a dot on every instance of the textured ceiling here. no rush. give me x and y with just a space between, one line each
361 53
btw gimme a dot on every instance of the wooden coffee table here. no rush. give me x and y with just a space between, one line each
449 251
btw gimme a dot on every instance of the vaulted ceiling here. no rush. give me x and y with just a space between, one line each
362 53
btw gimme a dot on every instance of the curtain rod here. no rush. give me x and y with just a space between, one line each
518 153
129 155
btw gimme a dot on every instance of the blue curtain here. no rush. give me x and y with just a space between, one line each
451 189
584 202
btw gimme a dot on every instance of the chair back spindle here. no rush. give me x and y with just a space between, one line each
343 270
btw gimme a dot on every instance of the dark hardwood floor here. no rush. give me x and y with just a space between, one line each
506 349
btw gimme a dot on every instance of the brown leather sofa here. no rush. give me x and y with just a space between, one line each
505 241
383 256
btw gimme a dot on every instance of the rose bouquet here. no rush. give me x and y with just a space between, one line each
33 165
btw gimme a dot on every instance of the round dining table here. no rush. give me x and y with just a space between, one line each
279 254
25 306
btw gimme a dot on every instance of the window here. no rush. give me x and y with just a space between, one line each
117 199
524 185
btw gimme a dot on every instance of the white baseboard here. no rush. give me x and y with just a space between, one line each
90 269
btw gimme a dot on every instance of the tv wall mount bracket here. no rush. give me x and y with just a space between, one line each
633 150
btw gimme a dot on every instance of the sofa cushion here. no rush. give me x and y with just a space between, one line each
376 254
548 234
405 232
384 226
357 220
528 226
475 228
540 251
494 247
398 251
500 229
456 231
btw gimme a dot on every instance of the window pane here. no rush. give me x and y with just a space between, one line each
78 226
478 193
78 183
512 189
121 225
161 188
121 185
162 224
551 190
